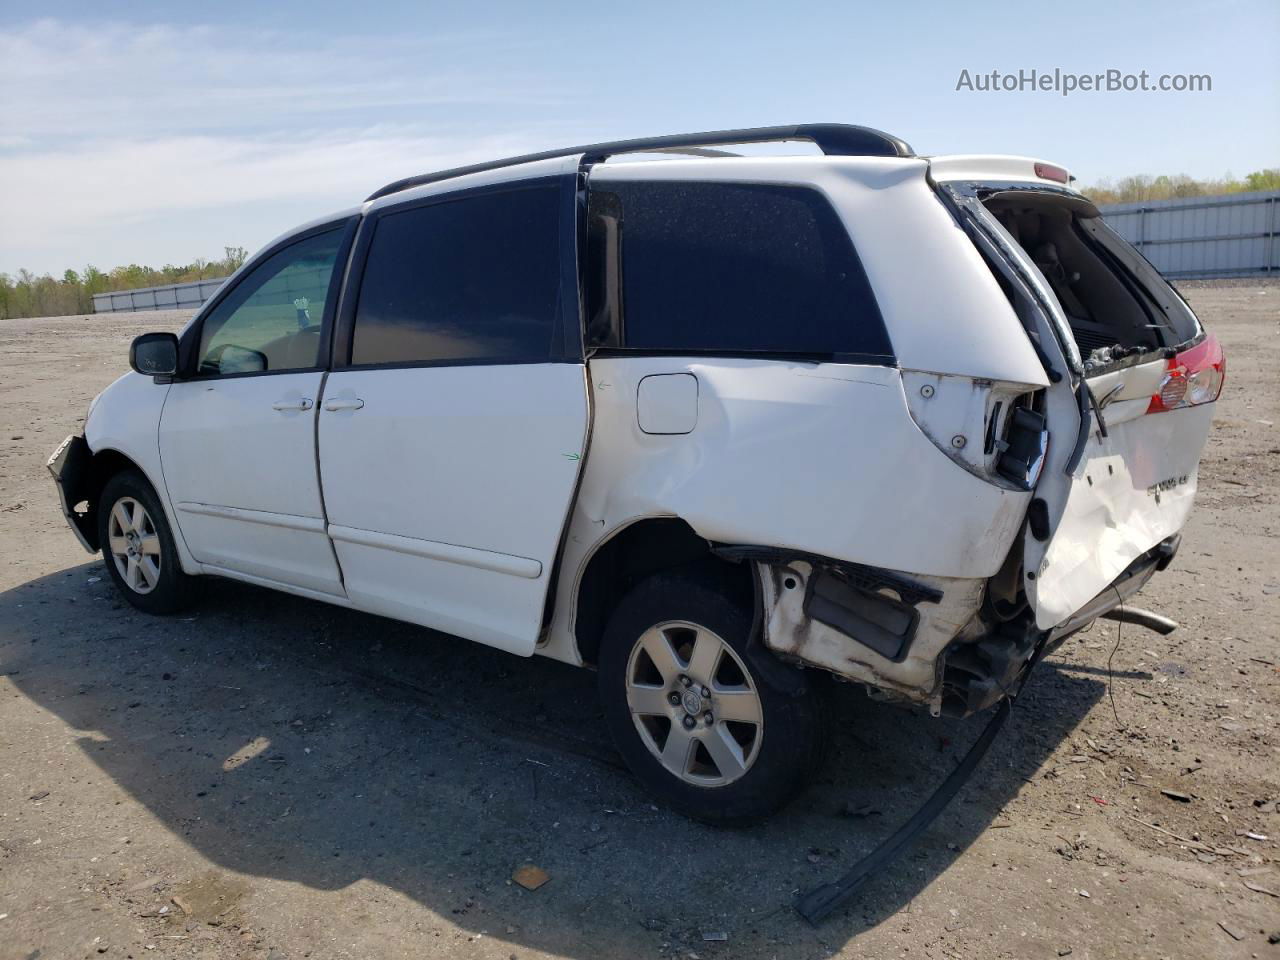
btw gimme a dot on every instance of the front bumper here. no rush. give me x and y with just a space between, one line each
70 465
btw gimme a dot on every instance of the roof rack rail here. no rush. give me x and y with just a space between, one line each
833 139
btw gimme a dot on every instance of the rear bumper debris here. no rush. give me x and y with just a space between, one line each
881 628
1142 618
978 673
932 641
1131 580
820 903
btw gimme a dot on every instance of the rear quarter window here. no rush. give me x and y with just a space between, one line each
733 268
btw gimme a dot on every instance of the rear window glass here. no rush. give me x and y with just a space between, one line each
471 279
727 268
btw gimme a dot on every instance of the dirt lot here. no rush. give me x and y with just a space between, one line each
274 778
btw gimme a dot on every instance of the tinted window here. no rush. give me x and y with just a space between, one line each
476 278
273 318
727 267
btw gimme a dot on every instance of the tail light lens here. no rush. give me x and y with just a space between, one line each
1193 377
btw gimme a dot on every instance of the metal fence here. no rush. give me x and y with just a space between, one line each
1233 235
171 296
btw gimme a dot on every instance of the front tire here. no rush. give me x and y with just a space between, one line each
138 546
696 725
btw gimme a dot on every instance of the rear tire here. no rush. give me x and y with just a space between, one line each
696 725
138 546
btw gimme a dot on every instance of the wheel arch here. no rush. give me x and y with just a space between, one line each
102 466
107 462
638 550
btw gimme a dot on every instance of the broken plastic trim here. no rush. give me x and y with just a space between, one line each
867 577
883 624
1084 404
71 465
819 903
1080 206
1026 446
783 677
816 905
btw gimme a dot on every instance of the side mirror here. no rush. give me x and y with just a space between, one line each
229 358
154 354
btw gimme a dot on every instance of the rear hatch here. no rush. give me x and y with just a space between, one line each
1134 374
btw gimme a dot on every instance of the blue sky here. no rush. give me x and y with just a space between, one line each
158 132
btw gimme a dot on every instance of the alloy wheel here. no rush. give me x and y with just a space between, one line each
694 704
134 545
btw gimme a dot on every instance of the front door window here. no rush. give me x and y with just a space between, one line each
273 318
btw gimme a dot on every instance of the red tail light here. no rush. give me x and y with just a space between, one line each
1193 377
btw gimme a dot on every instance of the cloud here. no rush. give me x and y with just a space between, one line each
61 203
67 80
114 134
121 180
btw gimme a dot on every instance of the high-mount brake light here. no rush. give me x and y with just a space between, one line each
1049 171
1192 377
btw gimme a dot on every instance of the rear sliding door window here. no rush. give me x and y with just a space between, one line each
732 268
473 279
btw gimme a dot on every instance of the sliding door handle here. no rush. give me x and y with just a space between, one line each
343 403
302 403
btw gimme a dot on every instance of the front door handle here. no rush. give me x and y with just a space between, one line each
302 403
343 403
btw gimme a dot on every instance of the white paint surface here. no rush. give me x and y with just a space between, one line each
667 403
447 491
247 473
125 418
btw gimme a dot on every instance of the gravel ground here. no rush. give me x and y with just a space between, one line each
270 777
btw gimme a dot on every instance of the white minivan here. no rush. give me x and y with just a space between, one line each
717 424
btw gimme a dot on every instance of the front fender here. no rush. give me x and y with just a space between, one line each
126 422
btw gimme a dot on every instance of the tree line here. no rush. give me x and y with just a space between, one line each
1142 188
31 295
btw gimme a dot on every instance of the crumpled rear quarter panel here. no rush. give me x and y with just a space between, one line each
820 458
823 458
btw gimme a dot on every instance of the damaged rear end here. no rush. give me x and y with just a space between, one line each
1116 436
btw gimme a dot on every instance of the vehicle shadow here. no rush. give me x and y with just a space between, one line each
288 739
